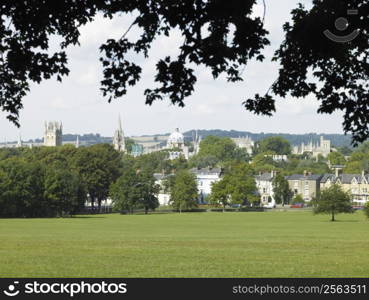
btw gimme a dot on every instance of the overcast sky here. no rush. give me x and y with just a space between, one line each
216 104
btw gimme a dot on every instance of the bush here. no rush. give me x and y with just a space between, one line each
297 199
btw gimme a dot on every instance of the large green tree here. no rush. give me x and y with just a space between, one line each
241 184
333 200
148 190
276 145
125 192
358 162
336 158
221 148
220 193
99 166
281 190
238 186
184 192
21 185
64 190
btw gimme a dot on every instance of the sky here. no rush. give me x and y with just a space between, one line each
216 104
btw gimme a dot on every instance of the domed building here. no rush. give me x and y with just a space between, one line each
176 142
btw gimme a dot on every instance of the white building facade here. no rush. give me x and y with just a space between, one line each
205 178
163 195
264 183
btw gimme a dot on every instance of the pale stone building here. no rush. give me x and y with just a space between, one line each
264 184
307 185
245 143
322 148
53 134
356 184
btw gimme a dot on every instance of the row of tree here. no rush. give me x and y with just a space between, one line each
36 189
57 181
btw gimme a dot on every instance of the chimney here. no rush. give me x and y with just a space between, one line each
305 173
363 173
336 170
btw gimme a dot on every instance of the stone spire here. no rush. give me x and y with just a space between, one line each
118 139
19 144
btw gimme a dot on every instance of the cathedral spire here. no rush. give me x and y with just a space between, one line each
19 144
118 139
120 124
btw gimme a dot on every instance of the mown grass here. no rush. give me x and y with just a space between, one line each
270 244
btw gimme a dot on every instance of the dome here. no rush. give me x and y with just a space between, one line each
176 139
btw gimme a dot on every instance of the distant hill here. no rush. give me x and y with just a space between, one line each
338 140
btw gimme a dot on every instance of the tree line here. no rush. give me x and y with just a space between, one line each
57 181
47 182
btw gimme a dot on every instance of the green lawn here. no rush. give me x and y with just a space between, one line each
270 244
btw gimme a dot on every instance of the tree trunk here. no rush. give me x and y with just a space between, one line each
146 210
332 217
99 205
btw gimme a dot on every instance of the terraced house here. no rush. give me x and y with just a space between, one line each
356 184
307 185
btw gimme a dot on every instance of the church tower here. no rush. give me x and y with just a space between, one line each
197 142
118 139
19 143
53 134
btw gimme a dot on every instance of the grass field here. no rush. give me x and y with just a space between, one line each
271 244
